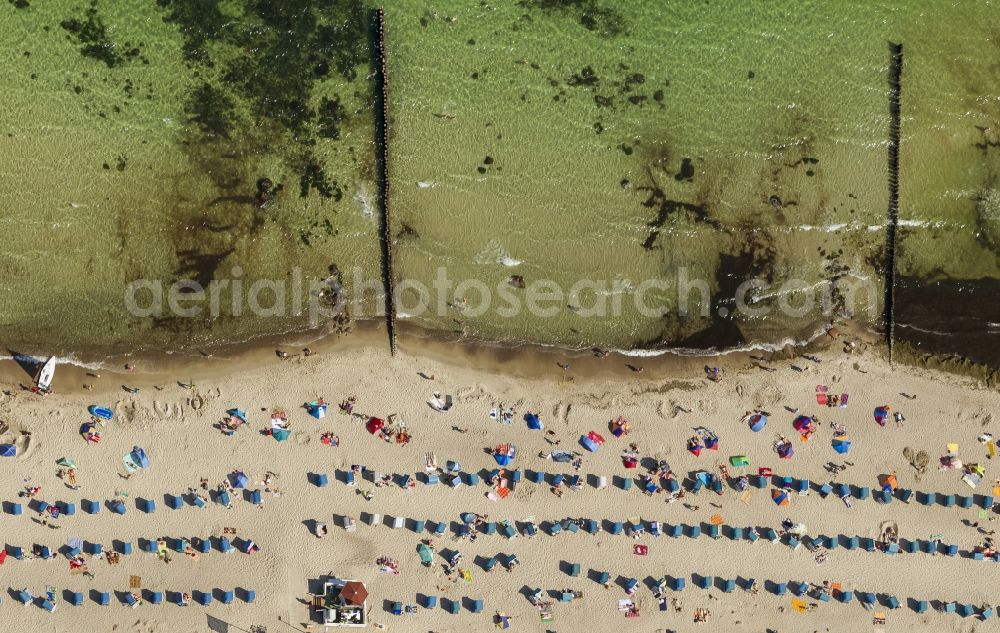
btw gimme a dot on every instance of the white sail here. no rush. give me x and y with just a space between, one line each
45 374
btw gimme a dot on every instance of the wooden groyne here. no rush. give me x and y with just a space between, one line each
381 87
895 86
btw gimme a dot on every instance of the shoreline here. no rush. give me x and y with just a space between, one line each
524 360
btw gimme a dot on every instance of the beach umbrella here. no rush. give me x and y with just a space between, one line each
140 457
780 497
757 421
238 413
239 479
841 444
695 447
503 458
881 413
802 423
316 409
589 444
8 450
280 434
375 425
354 592
785 450
712 443
533 422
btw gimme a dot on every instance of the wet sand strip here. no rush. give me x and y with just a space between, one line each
895 77
382 169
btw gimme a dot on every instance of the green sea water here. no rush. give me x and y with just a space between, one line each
559 140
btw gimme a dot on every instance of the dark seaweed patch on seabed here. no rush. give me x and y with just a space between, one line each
92 35
594 17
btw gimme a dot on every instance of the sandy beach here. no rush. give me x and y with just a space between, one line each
176 427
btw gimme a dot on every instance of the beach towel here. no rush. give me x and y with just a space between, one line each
821 398
503 492
640 550
843 400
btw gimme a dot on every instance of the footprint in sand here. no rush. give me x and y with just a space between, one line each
302 439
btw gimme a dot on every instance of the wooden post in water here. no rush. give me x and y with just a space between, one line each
895 78
381 85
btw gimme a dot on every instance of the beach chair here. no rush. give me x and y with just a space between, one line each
591 526
507 528
654 528
884 496
555 528
535 476
204 598
780 589
736 534
490 563
868 544
892 602
703 582
965 502
951 550
574 570
987 612
529 527
398 523
602 482
456 482
48 605
419 525
671 485
678 584
631 585
714 531
675 531
198 501
793 541
694 531
476 606
977 556
454 606
986 502
904 494
800 589
852 543
124 548
103 598
759 481
440 528
249 596
824 596
892 548
14 509
825 490
472 479
929 498
729 585
950 607
616 528
75 598
571 526
557 479
225 546
752 535
863 492
626 483
695 487
203 545
69 509
174 502
928 547
227 597
433 479
131 600
911 547
802 487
